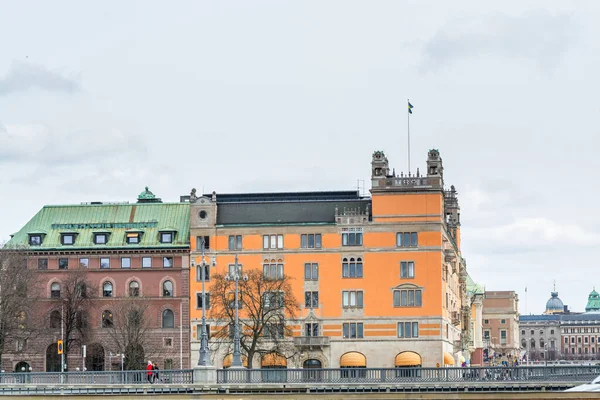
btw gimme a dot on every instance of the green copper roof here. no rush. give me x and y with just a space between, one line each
146 194
473 287
593 303
117 219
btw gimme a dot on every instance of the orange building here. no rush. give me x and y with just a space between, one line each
386 270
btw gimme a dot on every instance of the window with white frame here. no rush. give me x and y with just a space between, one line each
407 269
352 267
408 330
352 237
271 242
352 299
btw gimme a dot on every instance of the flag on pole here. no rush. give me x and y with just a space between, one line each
410 107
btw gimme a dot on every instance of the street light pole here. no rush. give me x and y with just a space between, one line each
204 359
235 276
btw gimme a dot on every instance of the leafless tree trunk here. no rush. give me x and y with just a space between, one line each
19 291
74 302
265 305
130 333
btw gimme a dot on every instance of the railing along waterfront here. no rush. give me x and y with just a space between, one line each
184 376
409 375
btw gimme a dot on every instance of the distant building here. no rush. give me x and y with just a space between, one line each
500 324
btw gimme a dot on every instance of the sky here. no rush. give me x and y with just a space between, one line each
100 99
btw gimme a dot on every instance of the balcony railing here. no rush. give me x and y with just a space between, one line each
311 341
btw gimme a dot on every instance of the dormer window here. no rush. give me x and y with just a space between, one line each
133 237
100 238
67 239
166 237
35 240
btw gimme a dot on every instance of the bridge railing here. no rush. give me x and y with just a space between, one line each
98 377
408 375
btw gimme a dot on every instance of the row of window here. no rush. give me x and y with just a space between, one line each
581 330
107 289
69 239
167 320
63 263
350 237
542 343
585 340
533 332
350 330
350 299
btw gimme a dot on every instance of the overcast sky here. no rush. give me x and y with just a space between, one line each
99 99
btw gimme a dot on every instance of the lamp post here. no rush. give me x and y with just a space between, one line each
235 276
204 359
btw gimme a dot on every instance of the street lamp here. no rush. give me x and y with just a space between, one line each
204 359
235 276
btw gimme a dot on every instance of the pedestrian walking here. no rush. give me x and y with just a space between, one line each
150 372
156 377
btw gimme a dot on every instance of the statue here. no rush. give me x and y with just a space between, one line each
193 196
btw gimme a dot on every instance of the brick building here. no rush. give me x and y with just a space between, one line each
381 279
128 254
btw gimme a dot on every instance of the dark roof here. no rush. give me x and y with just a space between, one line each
286 196
549 317
580 317
285 212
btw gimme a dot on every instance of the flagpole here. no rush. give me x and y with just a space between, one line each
408 113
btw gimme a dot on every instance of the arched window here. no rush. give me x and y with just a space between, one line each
542 343
524 343
107 289
81 289
55 319
168 289
107 319
134 289
168 319
532 343
55 290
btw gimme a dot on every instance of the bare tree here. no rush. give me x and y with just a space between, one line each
19 288
75 301
129 332
265 305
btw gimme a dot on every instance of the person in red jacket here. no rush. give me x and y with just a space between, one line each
150 373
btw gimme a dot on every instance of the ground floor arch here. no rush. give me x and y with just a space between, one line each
52 358
94 360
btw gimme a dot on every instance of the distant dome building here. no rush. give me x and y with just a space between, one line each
593 304
554 304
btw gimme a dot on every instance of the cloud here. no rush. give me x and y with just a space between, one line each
24 76
537 36
529 235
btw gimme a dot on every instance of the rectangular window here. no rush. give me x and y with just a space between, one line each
408 298
274 330
63 263
311 329
408 329
352 267
502 321
235 242
486 321
352 237
310 241
273 299
486 335
35 240
502 337
273 242
407 269
273 271
311 299
67 239
42 263
199 331
167 262
311 271
407 239
133 237
202 240
100 238
353 330
352 298
166 237
146 262
199 300
105 263
84 262
206 273
125 262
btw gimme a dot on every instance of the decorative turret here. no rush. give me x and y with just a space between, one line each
380 167
593 304
434 164
148 197
452 211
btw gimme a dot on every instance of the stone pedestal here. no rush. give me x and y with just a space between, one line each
205 374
